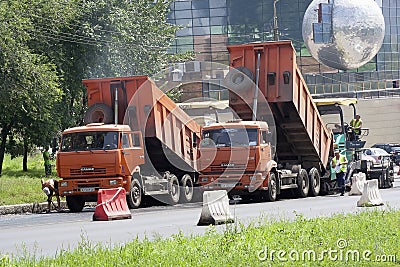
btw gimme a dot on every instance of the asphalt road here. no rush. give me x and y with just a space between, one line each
48 234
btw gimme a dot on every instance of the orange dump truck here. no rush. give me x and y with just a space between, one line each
150 149
246 156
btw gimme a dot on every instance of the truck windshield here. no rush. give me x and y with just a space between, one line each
89 141
229 137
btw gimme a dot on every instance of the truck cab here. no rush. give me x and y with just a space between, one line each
96 156
236 156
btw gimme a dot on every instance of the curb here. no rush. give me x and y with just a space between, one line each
28 208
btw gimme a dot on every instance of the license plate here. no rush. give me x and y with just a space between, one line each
227 185
87 189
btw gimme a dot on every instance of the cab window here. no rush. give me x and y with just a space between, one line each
125 141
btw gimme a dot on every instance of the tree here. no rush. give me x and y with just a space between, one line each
99 38
28 81
48 46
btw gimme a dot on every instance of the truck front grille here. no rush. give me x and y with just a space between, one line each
236 167
80 172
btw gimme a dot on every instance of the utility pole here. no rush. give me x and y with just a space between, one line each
276 33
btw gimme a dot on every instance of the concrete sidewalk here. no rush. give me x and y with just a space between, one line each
28 208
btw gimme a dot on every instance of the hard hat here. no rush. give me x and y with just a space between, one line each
46 190
337 151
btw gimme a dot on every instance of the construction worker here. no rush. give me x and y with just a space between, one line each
47 163
339 163
50 187
356 125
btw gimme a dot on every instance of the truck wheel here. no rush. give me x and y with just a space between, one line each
186 188
389 183
239 79
325 189
303 184
381 180
134 198
75 203
386 182
173 188
99 113
315 182
271 193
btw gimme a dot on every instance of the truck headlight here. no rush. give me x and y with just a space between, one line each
204 180
64 184
113 182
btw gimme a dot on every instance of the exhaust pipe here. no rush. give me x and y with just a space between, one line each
116 106
256 89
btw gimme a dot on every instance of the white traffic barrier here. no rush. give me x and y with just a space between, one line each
357 184
215 208
371 195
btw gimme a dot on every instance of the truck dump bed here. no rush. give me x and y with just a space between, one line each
302 137
171 136
103 91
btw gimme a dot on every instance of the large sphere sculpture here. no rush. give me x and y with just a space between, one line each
357 33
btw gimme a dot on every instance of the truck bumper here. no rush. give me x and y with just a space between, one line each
247 183
89 186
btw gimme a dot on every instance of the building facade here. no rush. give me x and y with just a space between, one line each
208 26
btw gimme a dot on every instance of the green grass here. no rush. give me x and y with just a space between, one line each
372 233
17 186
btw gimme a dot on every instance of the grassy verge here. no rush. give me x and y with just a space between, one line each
366 239
17 186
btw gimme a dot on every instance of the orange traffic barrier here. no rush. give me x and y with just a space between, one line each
111 205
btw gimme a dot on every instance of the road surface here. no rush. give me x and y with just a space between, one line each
48 234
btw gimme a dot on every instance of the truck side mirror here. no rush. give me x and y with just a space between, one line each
194 139
54 145
271 78
286 77
269 137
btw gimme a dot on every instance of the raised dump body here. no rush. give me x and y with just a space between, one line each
302 137
101 97
170 135
167 130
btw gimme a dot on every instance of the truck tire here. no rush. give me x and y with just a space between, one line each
236 79
75 203
303 184
134 197
173 188
390 178
386 182
272 192
186 188
315 182
99 113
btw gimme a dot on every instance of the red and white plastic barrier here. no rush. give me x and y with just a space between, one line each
111 205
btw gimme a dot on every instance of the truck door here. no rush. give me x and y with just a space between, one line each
132 150
265 150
